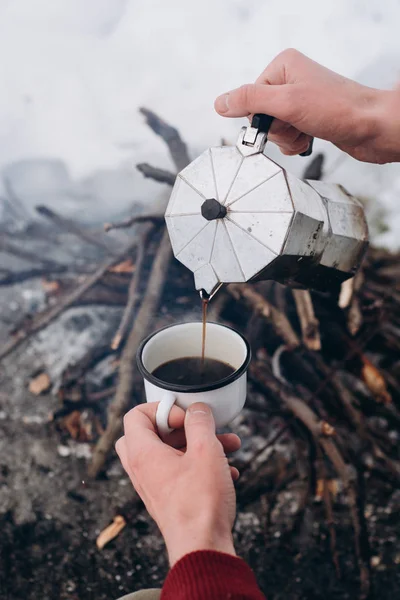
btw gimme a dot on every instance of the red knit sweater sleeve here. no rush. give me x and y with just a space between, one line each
208 575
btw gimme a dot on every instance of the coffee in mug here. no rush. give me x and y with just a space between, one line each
170 361
193 370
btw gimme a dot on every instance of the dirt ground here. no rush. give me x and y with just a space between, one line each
50 514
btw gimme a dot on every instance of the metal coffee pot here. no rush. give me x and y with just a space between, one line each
235 216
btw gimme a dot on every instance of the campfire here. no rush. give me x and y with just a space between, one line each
322 414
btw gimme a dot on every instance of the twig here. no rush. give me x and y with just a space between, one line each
327 499
160 175
43 319
316 427
171 137
6 245
10 277
147 309
348 298
346 293
133 287
358 423
258 303
251 462
96 396
308 321
123 396
71 226
156 219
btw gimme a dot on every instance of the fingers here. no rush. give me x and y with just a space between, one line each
200 431
284 67
280 101
274 92
121 449
230 441
262 98
289 139
140 429
235 473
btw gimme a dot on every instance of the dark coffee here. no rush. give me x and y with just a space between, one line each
192 370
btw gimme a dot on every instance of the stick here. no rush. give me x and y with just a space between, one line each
6 245
258 303
326 497
149 305
300 409
71 226
308 321
133 287
123 396
10 277
171 137
307 416
354 317
156 219
43 319
160 175
346 293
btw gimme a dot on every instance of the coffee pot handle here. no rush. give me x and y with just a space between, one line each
164 408
263 124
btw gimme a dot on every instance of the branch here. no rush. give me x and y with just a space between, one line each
160 175
123 396
10 277
171 137
6 245
72 227
156 219
43 319
308 321
150 302
316 427
133 287
258 303
346 293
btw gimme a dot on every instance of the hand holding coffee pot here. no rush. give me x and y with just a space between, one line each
235 216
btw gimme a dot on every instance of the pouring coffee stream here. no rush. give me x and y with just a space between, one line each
236 216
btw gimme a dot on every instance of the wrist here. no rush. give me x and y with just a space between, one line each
184 540
385 143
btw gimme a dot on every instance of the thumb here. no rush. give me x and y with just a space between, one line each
199 428
274 100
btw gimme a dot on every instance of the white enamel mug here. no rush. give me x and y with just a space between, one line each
225 397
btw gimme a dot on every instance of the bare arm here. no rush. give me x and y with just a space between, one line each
308 100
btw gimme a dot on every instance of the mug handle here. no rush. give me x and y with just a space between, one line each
162 414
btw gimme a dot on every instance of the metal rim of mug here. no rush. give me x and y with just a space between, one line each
192 388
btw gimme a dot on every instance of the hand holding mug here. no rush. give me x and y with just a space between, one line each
185 481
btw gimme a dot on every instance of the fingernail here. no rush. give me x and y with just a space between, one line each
198 410
222 104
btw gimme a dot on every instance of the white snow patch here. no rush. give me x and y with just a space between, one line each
74 73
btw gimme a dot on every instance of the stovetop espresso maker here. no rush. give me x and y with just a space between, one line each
235 216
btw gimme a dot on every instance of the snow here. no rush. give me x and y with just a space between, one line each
74 72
